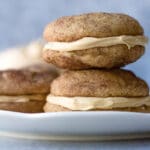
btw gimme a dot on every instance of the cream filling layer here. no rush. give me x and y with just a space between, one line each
88 103
91 42
21 98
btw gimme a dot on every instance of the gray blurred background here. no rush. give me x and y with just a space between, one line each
22 21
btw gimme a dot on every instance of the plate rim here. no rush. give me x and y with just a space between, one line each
68 114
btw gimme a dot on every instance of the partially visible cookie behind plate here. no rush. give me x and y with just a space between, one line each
25 90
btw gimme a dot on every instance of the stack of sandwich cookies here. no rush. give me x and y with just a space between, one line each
97 42
24 90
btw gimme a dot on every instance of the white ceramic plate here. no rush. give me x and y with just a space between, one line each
75 125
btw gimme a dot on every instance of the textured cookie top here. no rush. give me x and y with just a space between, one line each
99 83
99 25
19 82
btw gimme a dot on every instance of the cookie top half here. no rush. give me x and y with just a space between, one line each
71 28
23 82
99 83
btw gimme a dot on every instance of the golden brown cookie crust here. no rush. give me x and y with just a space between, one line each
22 82
99 83
25 107
101 57
99 25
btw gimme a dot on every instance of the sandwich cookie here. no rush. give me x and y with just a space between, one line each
85 90
94 40
25 90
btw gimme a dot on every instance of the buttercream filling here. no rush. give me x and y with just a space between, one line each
21 98
91 42
89 103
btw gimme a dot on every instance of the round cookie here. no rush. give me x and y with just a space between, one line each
71 28
99 83
20 82
100 57
25 90
98 25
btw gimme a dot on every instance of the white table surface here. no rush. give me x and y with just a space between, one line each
20 144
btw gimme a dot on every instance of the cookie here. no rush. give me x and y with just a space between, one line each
99 83
101 57
113 37
25 90
71 28
20 82
86 90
